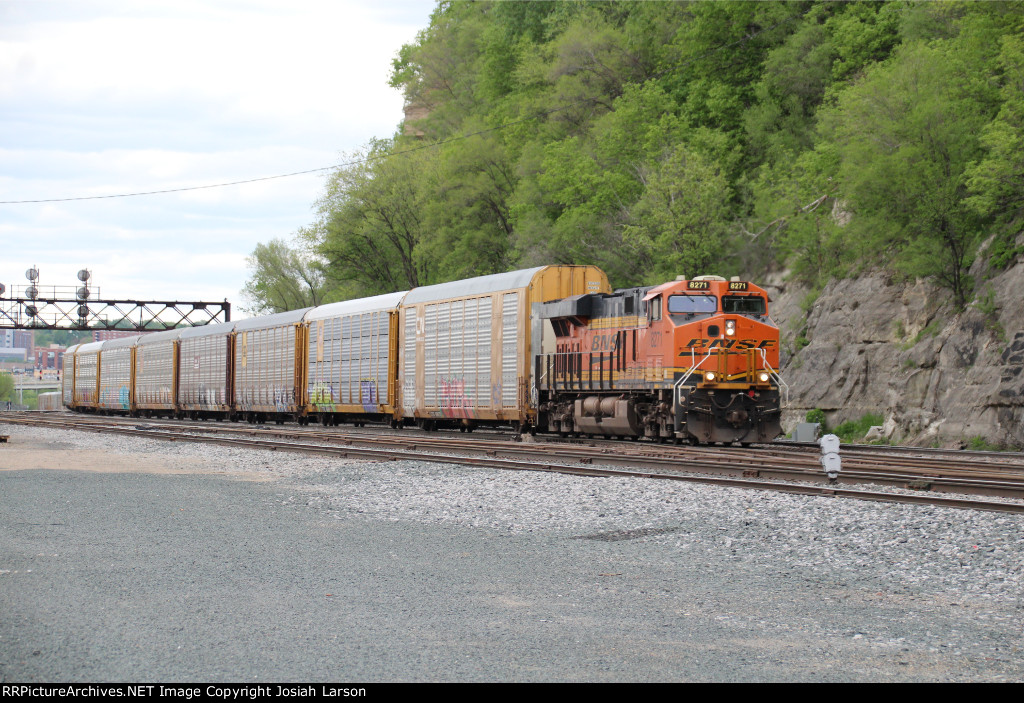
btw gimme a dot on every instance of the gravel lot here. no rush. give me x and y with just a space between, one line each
513 576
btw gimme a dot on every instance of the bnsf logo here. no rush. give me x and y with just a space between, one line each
698 343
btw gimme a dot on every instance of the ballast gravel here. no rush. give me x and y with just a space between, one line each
932 593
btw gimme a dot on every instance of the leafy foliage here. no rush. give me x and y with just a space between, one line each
6 386
854 430
663 138
283 279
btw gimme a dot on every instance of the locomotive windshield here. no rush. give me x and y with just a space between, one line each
692 304
743 304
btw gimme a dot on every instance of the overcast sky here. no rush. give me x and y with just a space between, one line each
101 97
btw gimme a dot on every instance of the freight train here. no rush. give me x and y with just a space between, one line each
551 348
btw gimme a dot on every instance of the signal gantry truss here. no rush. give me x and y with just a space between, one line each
62 311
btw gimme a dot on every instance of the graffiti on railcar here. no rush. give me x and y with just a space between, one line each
281 400
322 396
454 401
368 395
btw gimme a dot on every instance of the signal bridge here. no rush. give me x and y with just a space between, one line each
83 308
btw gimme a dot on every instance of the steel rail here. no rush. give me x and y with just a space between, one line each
678 473
751 463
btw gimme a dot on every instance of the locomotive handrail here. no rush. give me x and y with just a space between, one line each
678 385
775 377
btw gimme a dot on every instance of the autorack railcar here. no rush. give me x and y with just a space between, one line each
205 364
115 376
86 386
67 379
549 348
156 373
269 368
352 359
467 346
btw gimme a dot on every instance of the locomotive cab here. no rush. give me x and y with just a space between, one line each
726 389
686 360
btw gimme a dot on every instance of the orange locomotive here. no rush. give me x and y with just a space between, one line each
687 360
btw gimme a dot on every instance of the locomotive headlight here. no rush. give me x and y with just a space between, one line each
709 376
730 327
763 377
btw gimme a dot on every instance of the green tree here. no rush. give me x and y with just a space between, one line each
905 135
798 219
639 136
861 34
282 279
679 223
371 222
791 88
579 192
6 387
997 180
467 218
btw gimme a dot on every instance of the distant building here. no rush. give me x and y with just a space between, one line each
13 354
51 357
17 339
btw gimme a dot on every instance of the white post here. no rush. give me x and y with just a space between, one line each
830 460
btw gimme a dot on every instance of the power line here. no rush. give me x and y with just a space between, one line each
504 125
431 145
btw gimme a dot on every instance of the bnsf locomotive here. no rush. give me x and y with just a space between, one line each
688 360
550 348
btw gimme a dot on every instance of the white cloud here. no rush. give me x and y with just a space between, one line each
104 97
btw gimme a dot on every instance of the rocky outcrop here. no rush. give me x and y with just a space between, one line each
898 349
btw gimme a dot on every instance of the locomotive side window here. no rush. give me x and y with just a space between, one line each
654 309
692 304
743 304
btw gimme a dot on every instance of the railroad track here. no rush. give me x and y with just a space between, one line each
780 466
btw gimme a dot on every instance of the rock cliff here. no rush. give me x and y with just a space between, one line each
898 349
